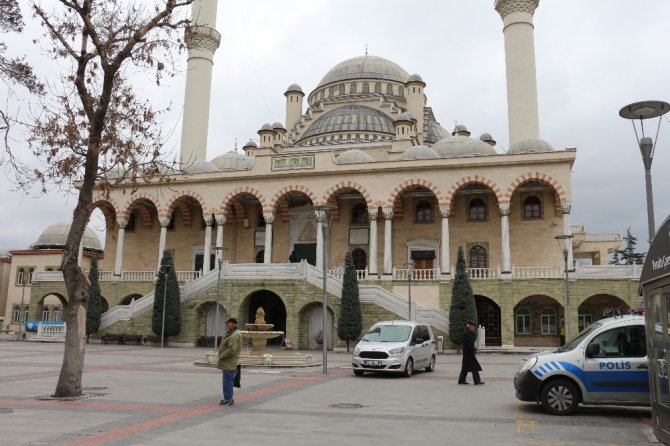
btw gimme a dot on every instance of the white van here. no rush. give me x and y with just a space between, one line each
606 363
396 347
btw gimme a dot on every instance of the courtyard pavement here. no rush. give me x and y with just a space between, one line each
137 395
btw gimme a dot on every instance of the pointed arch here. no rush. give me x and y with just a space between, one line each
414 182
172 202
291 188
144 212
470 179
348 185
240 190
539 176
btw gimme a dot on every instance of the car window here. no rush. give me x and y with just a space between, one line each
388 333
423 332
621 342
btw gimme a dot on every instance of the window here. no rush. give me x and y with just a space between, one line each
622 342
423 212
532 207
583 318
341 88
45 314
359 214
366 87
360 259
30 275
352 88
548 321
389 89
378 87
523 321
56 314
477 210
401 92
16 314
20 276
478 257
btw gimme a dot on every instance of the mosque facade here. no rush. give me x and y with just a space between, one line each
362 165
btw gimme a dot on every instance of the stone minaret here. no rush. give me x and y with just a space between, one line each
202 41
294 97
416 101
522 111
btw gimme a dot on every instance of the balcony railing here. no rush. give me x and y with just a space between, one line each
126 276
536 272
338 273
417 274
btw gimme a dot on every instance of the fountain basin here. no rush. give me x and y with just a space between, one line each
259 339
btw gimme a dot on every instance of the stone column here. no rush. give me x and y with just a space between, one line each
445 269
269 218
164 222
372 267
388 243
202 41
567 230
320 217
504 226
207 252
220 221
517 16
118 262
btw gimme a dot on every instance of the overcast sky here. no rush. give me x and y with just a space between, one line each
592 56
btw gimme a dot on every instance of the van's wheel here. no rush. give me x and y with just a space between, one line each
560 397
409 367
358 372
431 364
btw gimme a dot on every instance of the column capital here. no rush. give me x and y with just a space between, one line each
373 214
269 217
220 220
164 222
445 211
320 216
388 213
507 7
123 222
209 219
504 210
566 207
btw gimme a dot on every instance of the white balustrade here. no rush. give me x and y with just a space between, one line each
537 272
483 273
417 274
338 273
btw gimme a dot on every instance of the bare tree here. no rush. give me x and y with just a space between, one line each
92 121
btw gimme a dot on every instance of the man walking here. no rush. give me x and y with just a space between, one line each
229 356
470 363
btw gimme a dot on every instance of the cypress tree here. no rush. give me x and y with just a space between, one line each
463 308
94 308
350 323
170 289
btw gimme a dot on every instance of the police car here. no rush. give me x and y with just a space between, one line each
606 363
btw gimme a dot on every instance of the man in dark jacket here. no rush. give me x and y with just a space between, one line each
229 356
470 363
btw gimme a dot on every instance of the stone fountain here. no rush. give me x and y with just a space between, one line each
259 332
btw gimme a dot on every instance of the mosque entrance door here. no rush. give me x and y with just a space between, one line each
306 251
488 313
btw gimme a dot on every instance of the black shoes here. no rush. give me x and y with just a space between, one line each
463 382
226 403
480 383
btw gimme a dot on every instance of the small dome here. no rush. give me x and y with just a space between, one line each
365 67
531 145
55 236
462 130
251 143
202 167
449 147
234 161
354 156
487 138
278 126
405 116
415 78
419 153
266 127
294 88
474 147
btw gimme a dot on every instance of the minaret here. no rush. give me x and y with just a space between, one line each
202 40
522 111
416 101
294 97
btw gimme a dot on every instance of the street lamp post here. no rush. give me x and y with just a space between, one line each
21 312
165 279
409 289
325 208
568 308
646 110
219 260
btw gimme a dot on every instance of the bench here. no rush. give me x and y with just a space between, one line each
132 339
151 339
112 337
207 341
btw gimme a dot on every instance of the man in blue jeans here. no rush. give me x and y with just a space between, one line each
229 356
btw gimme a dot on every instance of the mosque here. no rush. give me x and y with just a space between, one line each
362 165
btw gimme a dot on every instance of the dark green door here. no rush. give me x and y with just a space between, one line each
306 251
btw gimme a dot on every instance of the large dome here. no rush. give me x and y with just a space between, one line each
55 236
351 118
365 67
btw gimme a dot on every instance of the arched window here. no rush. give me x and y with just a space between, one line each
548 321
331 92
477 210
260 256
583 318
359 214
532 207
423 212
389 89
523 321
352 88
478 257
16 314
360 259
341 87
378 87
20 276
401 92
366 87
